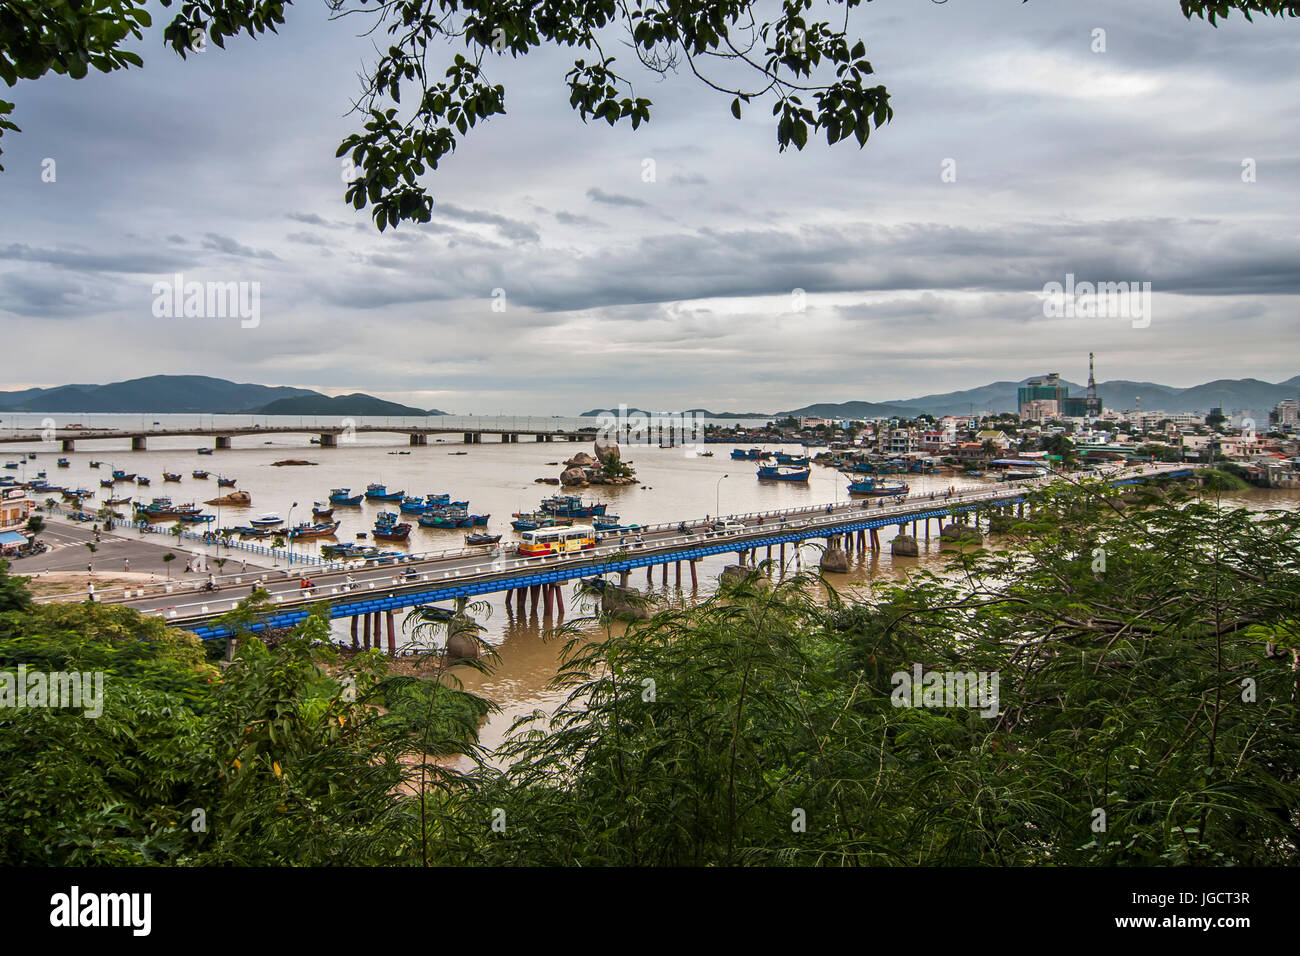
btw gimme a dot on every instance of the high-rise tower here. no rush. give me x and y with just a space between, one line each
1094 403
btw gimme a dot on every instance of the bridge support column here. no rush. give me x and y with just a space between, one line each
519 600
138 443
665 567
622 578
69 445
327 440
679 574
550 597
469 438
221 442
650 574
559 598
694 580
355 643
366 631
392 636
460 604
782 554
535 592
418 439
478 438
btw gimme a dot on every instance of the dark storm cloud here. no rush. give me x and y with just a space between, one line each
509 228
612 199
231 247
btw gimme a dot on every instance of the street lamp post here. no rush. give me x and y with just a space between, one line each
717 498
289 531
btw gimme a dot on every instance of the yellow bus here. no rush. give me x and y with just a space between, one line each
578 537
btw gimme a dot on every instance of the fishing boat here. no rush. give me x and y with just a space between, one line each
246 531
571 506
118 501
319 529
746 454
414 506
31 456
606 522
171 476
196 516
142 481
705 454
876 487
319 513
477 538
12 465
63 463
204 451
120 475
379 492
343 496
525 521
225 482
76 495
266 521
785 458
106 482
161 509
95 464
783 473
198 473
388 528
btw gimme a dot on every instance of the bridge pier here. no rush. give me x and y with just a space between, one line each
695 583
679 575
550 597
69 445
392 636
138 443
366 631
519 600
222 442
418 439
535 592
665 567
622 578
355 644
559 598
328 440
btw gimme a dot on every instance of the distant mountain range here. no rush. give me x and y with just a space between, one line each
595 412
1228 394
197 394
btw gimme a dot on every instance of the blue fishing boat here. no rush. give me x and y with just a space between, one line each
246 531
414 506
120 475
606 522
198 473
785 458
196 517
205 451
746 454
477 538
523 521
388 528
571 506
106 482
876 487
343 496
782 473
379 492
63 463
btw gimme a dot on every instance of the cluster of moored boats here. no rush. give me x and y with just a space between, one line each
429 511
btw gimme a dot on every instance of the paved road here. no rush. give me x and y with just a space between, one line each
420 571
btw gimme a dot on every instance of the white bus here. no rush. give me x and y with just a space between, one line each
578 537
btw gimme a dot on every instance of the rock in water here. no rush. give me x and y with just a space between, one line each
905 546
580 460
573 476
625 603
608 449
835 559
462 647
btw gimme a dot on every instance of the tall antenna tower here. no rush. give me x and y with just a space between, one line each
1093 402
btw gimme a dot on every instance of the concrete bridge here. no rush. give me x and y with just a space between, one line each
328 436
380 588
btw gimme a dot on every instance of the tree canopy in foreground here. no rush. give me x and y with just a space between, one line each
423 94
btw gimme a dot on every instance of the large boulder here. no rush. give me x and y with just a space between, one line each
961 534
234 498
580 460
572 477
835 559
462 647
905 546
734 574
629 604
606 449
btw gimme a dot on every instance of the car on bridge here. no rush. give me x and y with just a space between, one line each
725 528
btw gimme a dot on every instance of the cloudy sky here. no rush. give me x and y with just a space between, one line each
1122 165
